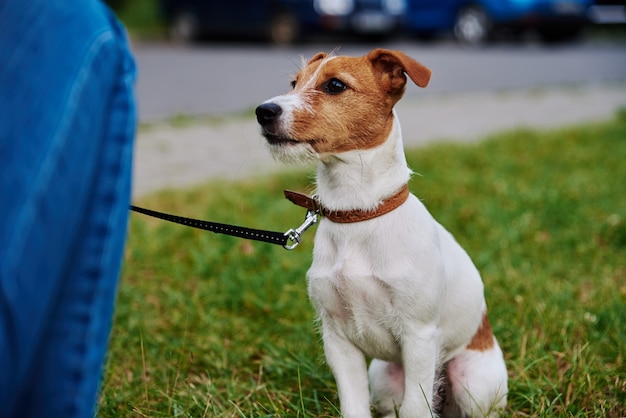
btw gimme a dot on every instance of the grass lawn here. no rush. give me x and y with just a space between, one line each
208 325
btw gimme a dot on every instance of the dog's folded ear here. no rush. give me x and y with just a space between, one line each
317 57
394 64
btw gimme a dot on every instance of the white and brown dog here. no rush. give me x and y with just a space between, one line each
388 282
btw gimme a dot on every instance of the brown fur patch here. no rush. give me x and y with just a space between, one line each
358 118
483 339
361 116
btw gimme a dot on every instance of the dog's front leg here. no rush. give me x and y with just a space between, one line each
420 355
349 367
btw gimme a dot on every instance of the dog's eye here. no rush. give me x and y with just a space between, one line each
334 86
293 84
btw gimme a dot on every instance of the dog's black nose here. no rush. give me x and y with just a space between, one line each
267 113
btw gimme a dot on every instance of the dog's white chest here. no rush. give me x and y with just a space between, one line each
351 299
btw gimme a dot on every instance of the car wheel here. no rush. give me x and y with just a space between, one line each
184 28
284 29
472 26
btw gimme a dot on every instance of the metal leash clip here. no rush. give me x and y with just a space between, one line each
295 235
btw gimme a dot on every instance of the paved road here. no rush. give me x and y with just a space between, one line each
211 79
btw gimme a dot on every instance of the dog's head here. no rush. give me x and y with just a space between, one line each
338 104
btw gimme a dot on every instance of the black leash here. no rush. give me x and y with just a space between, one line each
289 240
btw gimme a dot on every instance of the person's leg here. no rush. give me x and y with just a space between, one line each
66 129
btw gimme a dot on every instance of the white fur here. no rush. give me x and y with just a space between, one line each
398 289
363 179
473 377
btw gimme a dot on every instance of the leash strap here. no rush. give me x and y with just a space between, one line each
278 238
314 210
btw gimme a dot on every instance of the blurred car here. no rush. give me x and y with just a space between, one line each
608 12
281 21
476 21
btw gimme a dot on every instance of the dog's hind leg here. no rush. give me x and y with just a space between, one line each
386 386
477 378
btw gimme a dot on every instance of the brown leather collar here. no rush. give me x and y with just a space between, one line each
348 216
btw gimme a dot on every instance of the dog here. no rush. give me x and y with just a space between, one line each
388 282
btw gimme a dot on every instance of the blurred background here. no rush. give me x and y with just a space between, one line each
215 56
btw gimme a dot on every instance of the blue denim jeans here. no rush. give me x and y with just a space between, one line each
67 123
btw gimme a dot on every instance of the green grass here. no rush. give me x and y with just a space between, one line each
208 325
